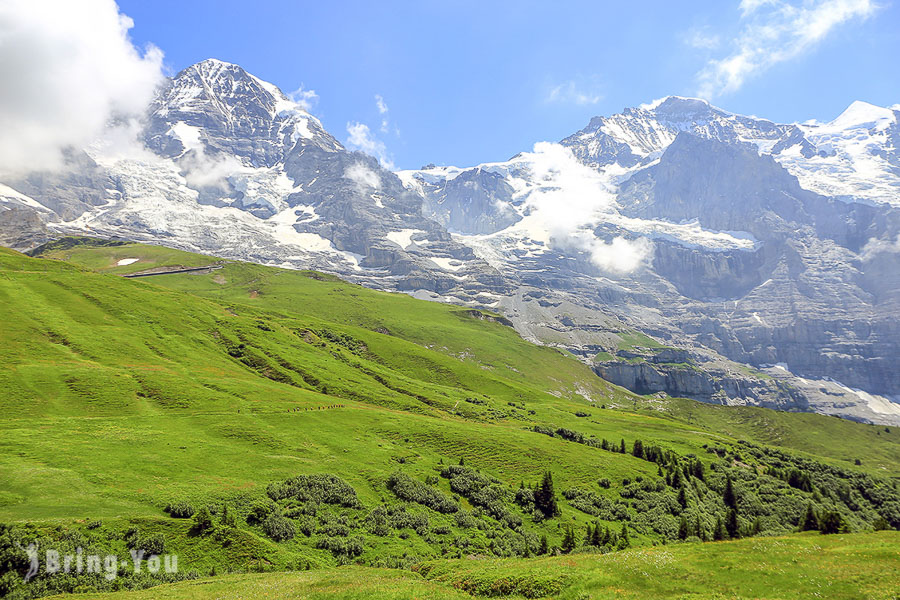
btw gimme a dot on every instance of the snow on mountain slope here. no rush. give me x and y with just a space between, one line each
225 163
715 232
856 158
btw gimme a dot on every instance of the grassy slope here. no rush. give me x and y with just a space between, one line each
836 567
835 440
122 395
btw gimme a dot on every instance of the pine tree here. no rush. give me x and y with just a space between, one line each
697 470
732 525
728 496
832 522
588 536
683 528
756 528
568 543
638 449
624 542
203 520
622 446
545 497
597 537
719 531
682 498
698 529
809 522
544 548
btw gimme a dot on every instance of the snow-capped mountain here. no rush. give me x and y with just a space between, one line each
226 163
761 257
729 237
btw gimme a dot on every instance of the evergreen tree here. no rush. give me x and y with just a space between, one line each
697 470
728 496
732 525
809 522
756 528
719 531
683 528
607 536
682 497
597 537
544 548
832 522
638 449
622 446
568 543
545 497
698 529
624 542
228 519
588 536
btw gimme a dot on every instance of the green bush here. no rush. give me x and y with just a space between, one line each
180 510
203 520
412 490
278 528
325 488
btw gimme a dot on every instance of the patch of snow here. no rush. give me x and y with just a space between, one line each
876 403
403 238
188 135
447 264
127 261
8 194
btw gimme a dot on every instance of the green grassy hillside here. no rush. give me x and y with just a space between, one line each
843 567
123 396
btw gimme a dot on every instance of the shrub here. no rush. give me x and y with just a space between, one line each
154 544
413 490
349 547
325 488
465 519
278 528
180 510
259 512
203 520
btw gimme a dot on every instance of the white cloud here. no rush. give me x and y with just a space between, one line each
66 68
750 6
365 178
776 31
876 246
305 98
383 111
702 39
362 138
572 93
204 171
379 102
571 201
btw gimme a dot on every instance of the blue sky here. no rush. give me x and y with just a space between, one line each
465 81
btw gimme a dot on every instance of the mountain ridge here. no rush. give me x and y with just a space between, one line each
650 239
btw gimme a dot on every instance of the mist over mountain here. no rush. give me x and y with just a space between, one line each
677 248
